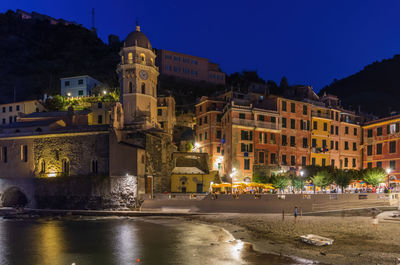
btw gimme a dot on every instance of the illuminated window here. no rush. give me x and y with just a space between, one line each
122 59
130 57
142 58
24 153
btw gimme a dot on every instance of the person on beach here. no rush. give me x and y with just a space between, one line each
375 220
296 213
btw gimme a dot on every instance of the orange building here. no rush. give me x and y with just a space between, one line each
189 67
381 147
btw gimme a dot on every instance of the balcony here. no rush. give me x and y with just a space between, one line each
320 115
258 124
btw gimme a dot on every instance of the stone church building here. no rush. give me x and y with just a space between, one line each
57 162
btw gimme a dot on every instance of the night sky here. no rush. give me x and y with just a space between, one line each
310 42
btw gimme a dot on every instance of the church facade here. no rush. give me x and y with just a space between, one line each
59 163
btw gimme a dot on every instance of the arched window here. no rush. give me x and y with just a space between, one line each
122 59
93 168
130 87
65 166
42 166
143 88
130 57
142 58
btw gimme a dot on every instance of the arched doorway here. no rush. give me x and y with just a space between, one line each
14 197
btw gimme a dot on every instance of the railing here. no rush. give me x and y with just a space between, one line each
252 123
321 115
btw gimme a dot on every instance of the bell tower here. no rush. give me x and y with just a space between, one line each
138 81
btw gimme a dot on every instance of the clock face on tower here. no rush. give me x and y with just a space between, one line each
143 74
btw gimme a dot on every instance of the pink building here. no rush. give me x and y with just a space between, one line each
189 67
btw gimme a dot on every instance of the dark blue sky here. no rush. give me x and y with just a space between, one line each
310 41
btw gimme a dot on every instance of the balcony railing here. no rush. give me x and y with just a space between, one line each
321 115
259 124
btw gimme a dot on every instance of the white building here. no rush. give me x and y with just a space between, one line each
78 86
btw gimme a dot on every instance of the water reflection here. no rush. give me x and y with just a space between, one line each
122 242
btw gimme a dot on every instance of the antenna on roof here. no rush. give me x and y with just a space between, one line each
94 30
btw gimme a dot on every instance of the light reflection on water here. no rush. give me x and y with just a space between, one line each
120 242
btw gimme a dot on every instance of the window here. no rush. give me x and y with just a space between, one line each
378 149
313 161
393 128
337 145
333 162
218 149
205 136
332 129
266 138
4 109
244 135
142 58
242 116
392 164
284 162
261 117
292 160
315 125
355 131
65 166
369 164
346 162
4 121
292 141
247 164
283 122
337 116
354 162
260 138
42 166
10 119
346 145
303 160
337 130
17 107
305 144
66 83
369 150
379 131
305 111
332 145
369 133
354 146
273 119
80 92
10 108
273 141
24 153
392 147
346 130
94 167
314 143
218 134
325 126
100 119
177 58
283 105
80 82
159 112
130 57
219 117
324 144
200 121
292 124
261 157
162 124
273 158
284 140
323 162
168 56
143 88
205 119
200 137
292 107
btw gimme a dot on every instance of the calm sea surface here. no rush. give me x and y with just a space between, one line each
120 242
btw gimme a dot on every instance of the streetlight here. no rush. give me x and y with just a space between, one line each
388 170
104 92
301 180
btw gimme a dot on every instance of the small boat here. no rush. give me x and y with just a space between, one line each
316 240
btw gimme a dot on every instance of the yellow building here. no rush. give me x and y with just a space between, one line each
100 113
320 133
192 180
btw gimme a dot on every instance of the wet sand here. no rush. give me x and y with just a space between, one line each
356 241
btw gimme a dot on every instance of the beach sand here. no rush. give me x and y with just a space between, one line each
356 241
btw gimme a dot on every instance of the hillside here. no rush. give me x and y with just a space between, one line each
35 55
376 88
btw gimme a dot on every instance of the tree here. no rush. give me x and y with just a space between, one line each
322 179
284 83
56 103
280 181
343 178
297 183
374 176
260 177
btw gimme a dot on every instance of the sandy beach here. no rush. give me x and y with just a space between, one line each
356 241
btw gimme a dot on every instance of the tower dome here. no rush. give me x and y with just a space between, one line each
137 38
